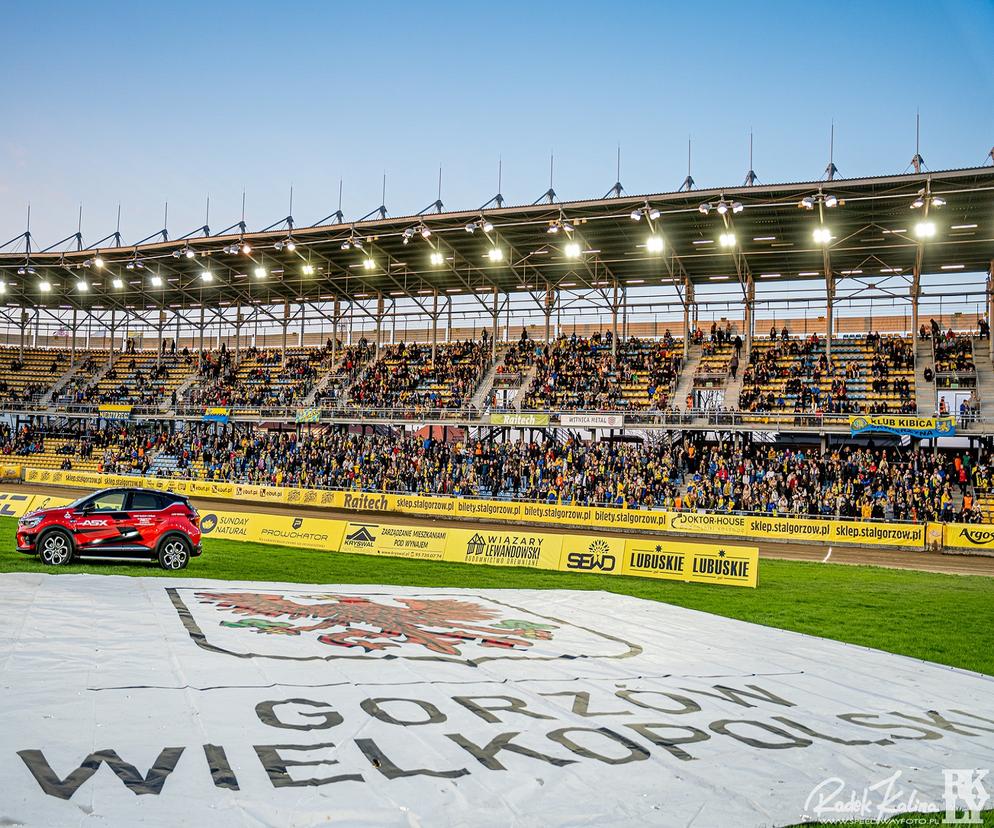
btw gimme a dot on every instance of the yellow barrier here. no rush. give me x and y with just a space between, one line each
692 523
647 557
968 536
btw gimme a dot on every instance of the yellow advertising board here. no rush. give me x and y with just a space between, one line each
10 472
500 548
804 529
15 504
693 523
593 554
421 542
282 530
698 562
969 536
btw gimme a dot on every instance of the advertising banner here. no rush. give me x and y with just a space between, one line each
969 536
592 420
308 415
902 425
421 542
114 411
504 548
523 420
166 702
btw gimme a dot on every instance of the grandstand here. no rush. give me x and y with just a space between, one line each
592 373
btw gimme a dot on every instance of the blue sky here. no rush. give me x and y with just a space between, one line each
137 103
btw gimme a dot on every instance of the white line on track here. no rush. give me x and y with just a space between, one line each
828 555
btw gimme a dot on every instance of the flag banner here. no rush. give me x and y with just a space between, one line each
179 701
308 415
903 425
216 414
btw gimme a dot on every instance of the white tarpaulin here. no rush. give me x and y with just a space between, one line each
171 702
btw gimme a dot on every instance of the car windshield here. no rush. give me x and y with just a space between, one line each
112 501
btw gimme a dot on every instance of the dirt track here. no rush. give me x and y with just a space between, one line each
856 555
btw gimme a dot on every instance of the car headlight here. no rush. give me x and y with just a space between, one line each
30 522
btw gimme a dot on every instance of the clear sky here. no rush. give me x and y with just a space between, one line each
140 103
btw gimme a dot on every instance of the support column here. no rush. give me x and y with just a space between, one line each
829 313
393 321
336 318
434 325
916 290
162 337
448 326
113 332
549 301
303 321
688 293
750 313
24 331
624 313
72 342
496 318
379 322
990 307
614 322
286 325
238 331
200 350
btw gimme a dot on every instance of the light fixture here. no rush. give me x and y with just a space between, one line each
654 213
98 262
175 254
654 244
637 214
21 271
82 286
425 231
495 254
156 281
117 283
737 207
437 258
831 201
704 209
308 270
727 240
722 208
290 245
925 229
206 276
408 234
807 203
471 227
246 248
369 264
3 287
260 273
572 250
822 235
487 226
924 198
130 265
553 228
44 286
189 253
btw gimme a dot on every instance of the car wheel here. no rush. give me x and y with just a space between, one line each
174 553
55 548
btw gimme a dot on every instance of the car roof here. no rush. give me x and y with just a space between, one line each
176 498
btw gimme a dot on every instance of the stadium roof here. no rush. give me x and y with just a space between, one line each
769 232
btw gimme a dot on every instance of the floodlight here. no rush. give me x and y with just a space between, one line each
437 258
654 244
727 240
572 250
118 284
495 254
925 229
260 273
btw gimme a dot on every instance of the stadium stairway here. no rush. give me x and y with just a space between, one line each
60 383
925 398
181 390
481 398
686 382
526 383
324 379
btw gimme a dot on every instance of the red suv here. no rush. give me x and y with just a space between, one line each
135 524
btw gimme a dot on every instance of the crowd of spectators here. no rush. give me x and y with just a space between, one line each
407 376
594 373
693 475
264 378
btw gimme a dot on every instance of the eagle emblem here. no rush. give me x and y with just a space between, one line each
439 625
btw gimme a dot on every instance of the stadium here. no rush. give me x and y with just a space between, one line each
667 508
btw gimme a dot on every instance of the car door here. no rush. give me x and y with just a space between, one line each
145 517
101 527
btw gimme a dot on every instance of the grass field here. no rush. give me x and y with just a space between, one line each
948 619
